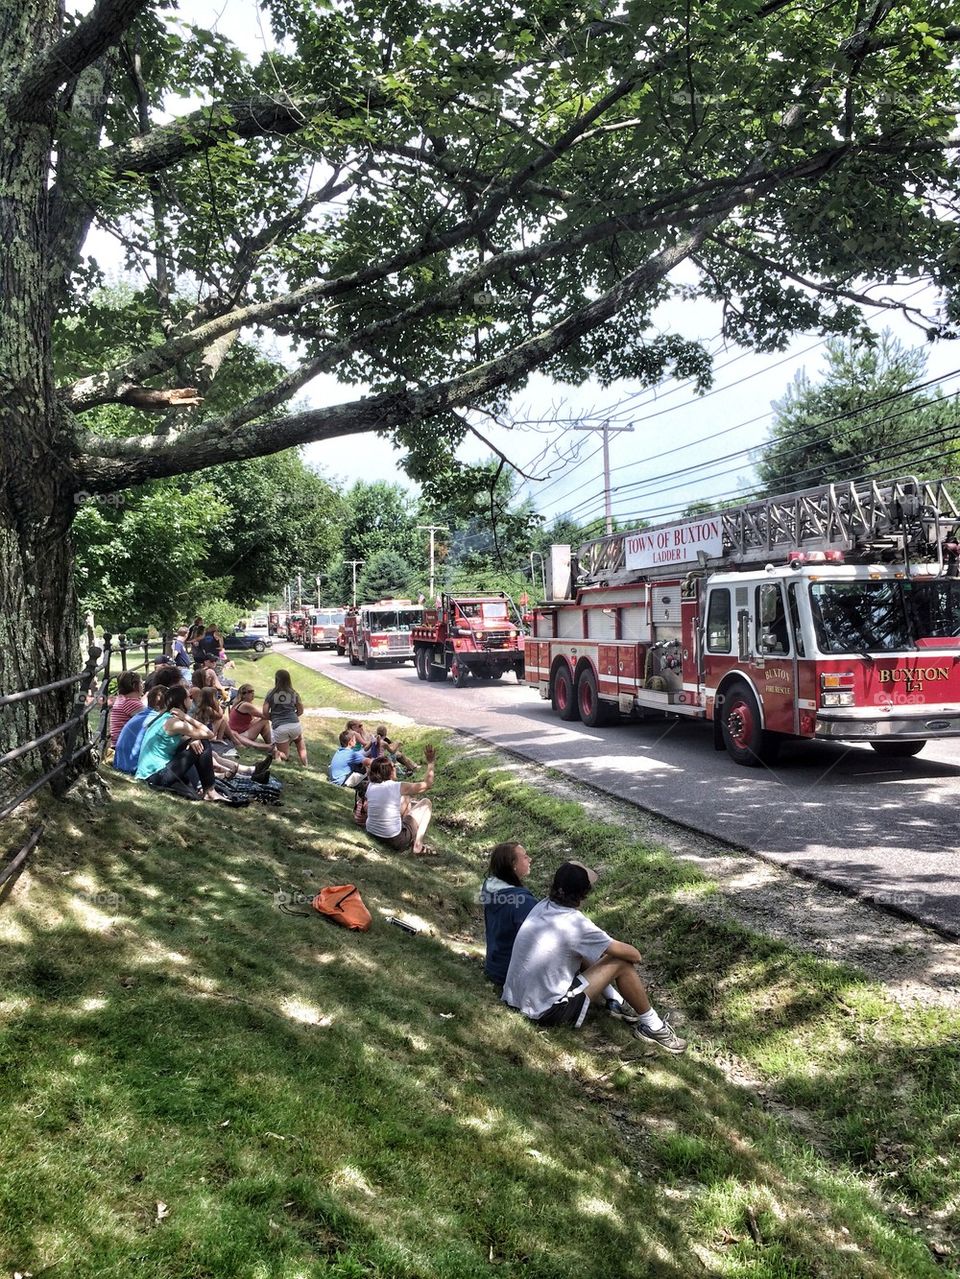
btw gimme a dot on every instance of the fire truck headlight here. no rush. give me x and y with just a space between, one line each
836 699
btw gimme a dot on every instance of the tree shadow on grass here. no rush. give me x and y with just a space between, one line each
306 1100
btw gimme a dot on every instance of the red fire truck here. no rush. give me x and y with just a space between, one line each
276 623
322 628
295 625
832 613
468 635
379 634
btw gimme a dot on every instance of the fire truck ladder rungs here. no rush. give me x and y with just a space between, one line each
861 518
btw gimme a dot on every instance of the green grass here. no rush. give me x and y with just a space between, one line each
314 688
310 1102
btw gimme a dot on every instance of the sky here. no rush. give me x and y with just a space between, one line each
671 427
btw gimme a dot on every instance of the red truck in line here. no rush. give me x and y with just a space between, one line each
468 635
379 634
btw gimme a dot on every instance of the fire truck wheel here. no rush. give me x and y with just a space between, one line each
745 740
459 673
592 710
492 674
420 663
564 702
368 661
354 659
898 748
341 652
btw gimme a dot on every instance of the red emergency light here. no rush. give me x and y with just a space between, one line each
815 557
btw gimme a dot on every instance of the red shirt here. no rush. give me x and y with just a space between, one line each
123 708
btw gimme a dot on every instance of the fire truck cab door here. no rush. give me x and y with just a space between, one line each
774 656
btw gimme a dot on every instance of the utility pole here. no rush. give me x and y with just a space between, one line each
354 563
431 529
607 430
299 589
318 580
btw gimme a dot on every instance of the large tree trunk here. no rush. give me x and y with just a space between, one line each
38 612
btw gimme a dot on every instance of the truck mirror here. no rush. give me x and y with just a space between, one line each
743 634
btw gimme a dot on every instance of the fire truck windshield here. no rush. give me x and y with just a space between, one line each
883 616
394 619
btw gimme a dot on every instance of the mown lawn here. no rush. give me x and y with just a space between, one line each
315 689
195 1083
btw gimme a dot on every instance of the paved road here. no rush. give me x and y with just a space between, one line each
885 830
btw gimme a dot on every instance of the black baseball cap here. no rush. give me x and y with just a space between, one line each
573 879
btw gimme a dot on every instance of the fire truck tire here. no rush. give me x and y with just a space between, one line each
564 700
420 663
746 742
593 711
368 661
460 673
354 659
893 749
492 674
435 674
341 652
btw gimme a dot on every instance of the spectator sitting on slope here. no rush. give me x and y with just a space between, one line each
126 748
247 720
349 764
391 817
561 961
127 702
393 751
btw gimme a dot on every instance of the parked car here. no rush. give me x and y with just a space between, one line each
247 637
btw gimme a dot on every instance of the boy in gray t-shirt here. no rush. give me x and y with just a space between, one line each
561 960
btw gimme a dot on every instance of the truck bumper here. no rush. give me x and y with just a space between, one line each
858 725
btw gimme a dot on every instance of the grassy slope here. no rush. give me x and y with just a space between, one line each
306 1101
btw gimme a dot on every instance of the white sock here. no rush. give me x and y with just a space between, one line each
611 992
651 1020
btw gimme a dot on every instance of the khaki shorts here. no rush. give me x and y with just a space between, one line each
288 732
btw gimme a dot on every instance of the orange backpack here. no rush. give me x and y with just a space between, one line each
344 905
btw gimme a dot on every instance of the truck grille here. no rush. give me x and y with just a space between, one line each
497 640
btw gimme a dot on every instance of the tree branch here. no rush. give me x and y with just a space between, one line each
32 100
118 463
824 288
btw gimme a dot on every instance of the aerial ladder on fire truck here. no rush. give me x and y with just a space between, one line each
890 521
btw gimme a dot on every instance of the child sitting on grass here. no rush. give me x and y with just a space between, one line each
382 747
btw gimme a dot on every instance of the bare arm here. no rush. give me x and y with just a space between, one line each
415 788
186 727
622 950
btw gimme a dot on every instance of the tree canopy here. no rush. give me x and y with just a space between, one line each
432 200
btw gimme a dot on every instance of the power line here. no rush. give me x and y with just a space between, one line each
938 439
815 430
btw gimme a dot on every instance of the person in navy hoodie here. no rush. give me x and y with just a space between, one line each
506 904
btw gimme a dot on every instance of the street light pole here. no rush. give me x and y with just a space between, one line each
354 563
607 430
318 581
431 529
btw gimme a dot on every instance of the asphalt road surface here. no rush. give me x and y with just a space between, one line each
885 830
